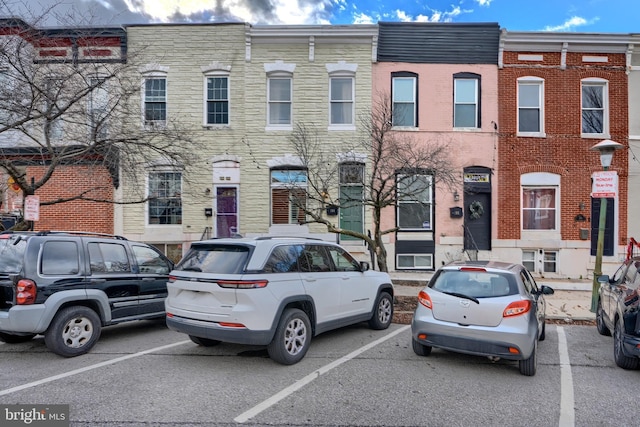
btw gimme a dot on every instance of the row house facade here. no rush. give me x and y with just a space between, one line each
559 95
244 90
46 49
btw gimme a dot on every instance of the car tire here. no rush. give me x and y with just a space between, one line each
528 366
600 325
382 313
292 338
204 342
623 361
543 333
420 349
15 339
73 331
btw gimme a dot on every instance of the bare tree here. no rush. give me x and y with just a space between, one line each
77 111
401 169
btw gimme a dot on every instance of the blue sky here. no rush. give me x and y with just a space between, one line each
619 16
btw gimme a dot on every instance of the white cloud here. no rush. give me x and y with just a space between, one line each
484 2
362 18
570 24
436 16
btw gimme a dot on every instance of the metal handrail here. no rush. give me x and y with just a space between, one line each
471 253
206 234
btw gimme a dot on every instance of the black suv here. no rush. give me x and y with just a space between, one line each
68 285
618 305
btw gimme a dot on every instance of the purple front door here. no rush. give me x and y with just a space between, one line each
226 211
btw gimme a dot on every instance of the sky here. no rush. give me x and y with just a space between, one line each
584 16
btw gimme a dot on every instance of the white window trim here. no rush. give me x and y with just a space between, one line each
207 76
605 103
476 103
415 102
541 180
279 69
153 71
540 82
430 256
341 69
159 168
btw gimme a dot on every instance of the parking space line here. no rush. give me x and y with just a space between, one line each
567 409
247 415
88 368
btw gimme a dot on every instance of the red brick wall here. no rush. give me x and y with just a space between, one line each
78 215
563 151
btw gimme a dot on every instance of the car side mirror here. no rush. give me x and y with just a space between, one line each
364 266
547 290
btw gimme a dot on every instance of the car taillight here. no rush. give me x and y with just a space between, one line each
242 284
425 299
172 279
25 292
517 308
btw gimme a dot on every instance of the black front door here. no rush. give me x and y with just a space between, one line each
477 221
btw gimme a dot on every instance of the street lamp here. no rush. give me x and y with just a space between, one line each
606 149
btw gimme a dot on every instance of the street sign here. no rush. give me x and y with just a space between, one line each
605 184
32 208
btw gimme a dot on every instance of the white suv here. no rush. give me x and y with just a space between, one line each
273 291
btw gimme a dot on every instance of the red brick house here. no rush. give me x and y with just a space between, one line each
559 95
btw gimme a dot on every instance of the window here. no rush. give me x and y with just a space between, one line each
414 261
341 100
404 89
279 104
173 251
530 106
108 258
594 107
98 103
150 261
288 196
540 261
538 208
342 260
284 259
466 113
217 100
165 202
155 101
60 258
414 202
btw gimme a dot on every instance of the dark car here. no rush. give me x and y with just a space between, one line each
68 285
618 304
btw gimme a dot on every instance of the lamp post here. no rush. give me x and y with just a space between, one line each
606 149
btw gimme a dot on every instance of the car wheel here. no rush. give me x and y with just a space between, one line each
543 333
420 349
205 342
528 366
15 339
600 325
292 338
623 361
383 312
73 331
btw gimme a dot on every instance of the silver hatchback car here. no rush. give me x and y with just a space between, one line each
484 308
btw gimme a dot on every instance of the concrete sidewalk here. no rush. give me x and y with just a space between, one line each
571 300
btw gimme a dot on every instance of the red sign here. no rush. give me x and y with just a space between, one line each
32 208
605 184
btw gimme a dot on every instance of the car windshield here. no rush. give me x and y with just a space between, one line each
12 248
219 259
475 283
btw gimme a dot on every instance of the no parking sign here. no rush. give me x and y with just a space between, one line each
32 208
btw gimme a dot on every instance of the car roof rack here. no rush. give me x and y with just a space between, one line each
80 233
288 237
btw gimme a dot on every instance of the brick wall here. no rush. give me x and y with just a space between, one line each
562 151
78 215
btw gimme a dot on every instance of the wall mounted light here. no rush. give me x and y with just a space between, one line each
581 206
456 196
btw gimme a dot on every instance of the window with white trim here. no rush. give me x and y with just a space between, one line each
165 197
414 261
155 101
466 95
217 100
341 99
540 201
415 207
404 89
288 196
279 101
595 108
530 106
98 108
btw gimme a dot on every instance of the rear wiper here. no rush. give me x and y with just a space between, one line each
456 294
192 269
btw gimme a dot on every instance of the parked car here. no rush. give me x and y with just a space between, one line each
617 311
485 308
68 285
273 291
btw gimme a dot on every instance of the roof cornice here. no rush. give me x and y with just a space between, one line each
544 41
